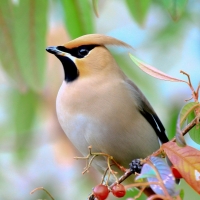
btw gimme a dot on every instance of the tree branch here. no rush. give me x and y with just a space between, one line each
128 171
188 127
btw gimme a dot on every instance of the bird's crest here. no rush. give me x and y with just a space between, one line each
96 39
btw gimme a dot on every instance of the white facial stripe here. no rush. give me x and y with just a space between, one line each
69 56
61 53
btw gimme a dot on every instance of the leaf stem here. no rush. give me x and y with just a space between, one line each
159 178
194 94
188 127
41 188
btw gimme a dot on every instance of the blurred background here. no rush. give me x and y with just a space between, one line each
34 151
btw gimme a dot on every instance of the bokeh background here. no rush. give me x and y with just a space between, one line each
34 151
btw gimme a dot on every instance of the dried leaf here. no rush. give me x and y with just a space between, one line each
186 160
153 71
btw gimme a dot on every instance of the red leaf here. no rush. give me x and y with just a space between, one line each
153 71
187 161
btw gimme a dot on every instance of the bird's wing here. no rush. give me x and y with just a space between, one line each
149 114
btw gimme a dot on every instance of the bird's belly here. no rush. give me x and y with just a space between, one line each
81 131
124 145
76 128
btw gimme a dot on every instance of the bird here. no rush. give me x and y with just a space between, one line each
98 105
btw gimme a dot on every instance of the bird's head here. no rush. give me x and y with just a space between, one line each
86 55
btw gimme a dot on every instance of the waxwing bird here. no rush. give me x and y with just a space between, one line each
99 106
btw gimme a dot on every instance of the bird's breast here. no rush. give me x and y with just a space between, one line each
106 119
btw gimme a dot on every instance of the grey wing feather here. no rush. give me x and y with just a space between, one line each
149 114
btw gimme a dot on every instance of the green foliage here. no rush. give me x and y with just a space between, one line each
78 17
175 8
187 114
171 131
138 10
24 109
23 29
187 110
195 131
182 194
23 112
95 5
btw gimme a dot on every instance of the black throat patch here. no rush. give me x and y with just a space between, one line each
70 69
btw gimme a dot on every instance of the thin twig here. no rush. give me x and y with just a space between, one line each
89 164
122 178
159 178
159 151
112 172
157 196
147 184
198 88
194 94
104 175
41 188
140 193
187 76
188 127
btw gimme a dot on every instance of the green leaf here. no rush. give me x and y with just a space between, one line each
8 56
175 8
195 131
138 9
23 108
182 194
78 17
187 115
95 7
23 28
171 127
186 110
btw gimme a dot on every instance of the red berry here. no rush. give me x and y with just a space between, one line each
176 173
101 192
118 190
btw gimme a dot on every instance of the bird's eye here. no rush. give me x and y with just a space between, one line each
83 52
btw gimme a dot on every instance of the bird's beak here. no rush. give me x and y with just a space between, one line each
58 53
54 50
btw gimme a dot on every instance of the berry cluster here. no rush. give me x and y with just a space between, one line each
135 166
101 192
